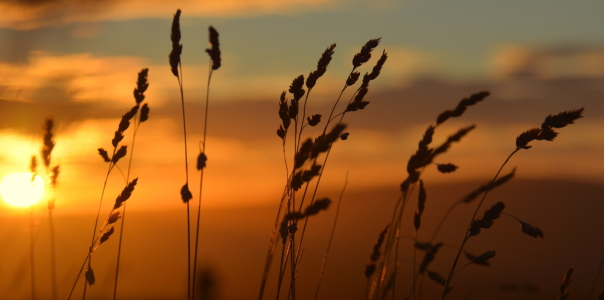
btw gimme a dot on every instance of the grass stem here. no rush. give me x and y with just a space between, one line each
467 235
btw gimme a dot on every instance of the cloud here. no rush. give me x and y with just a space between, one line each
109 80
512 61
33 14
76 77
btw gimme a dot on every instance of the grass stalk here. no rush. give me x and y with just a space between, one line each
467 235
31 253
53 261
596 278
215 59
139 117
331 235
203 150
176 68
545 132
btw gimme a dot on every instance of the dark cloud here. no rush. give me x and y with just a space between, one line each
389 111
27 117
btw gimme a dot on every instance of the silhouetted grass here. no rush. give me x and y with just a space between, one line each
305 159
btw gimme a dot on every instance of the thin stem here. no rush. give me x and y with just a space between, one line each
414 262
203 150
188 253
283 266
31 252
312 199
53 262
333 230
119 247
336 104
593 286
98 213
78 277
119 253
184 122
294 264
467 235
271 245
184 128
393 237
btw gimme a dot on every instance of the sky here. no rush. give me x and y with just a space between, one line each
77 61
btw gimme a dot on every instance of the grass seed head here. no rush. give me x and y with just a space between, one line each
296 88
214 52
174 57
125 194
375 255
144 113
107 235
185 193
114 217
324 142
201 161
531 230
317 206
103 153
119 154
545 132
491 185
562 119
90 276
304 153
365 54
314 120
54 175
284 111
461 107
565 283
453 138
446 168
429 257
352 78
483 258
48 141
436 277
33 166
321 67
375 72
141 86
488 218
472 258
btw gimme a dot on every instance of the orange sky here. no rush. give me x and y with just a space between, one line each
78 62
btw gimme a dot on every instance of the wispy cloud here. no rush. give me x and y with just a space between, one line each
30 14
77 77
108 80
515 61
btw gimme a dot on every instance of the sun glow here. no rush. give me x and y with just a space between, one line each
19 189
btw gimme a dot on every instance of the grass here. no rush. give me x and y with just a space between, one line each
305 159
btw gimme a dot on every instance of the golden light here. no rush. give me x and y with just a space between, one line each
18 189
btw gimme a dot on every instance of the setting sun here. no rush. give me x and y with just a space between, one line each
18 189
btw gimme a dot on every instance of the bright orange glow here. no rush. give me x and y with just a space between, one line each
18 189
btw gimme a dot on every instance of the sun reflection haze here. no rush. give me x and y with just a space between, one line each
20 190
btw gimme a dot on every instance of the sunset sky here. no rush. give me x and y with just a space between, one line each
77 61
